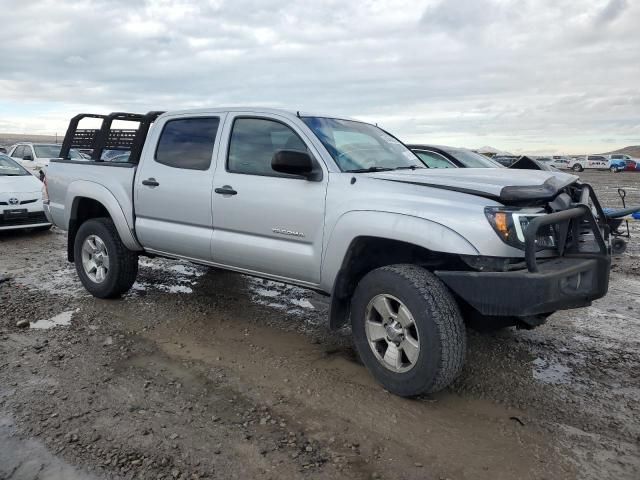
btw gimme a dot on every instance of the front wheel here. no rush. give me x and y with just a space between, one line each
408 330
105 266
577 168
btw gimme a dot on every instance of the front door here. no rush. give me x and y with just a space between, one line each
174 184
265 221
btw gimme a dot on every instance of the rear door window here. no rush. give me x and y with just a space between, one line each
188 143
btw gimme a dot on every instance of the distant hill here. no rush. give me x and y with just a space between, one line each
11 138
633 150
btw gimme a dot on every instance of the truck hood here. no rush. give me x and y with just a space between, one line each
23 183
502 184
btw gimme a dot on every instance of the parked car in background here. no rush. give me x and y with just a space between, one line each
20 198
440 156
617 165
36 156
594 162
632 166
109 155
624 162
560 161
122 158
505 160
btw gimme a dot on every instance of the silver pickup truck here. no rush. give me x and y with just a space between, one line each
408 255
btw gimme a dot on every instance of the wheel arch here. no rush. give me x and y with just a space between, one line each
94 201
383 239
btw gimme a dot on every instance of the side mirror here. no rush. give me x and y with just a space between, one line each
293 162
28 157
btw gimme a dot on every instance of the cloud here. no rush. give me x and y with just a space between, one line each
517 74
612 10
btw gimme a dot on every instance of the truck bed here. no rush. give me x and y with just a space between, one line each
67 179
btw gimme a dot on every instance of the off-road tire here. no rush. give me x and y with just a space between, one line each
123 263
437 317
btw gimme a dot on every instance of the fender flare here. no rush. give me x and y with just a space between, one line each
94 191
388 225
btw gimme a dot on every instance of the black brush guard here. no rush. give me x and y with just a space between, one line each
572 279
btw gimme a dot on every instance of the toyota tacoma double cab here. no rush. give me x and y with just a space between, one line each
408 255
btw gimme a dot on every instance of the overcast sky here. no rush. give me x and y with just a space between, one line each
535 76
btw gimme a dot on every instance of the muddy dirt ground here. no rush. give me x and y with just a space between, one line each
200 373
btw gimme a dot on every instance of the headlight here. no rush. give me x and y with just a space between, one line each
511 223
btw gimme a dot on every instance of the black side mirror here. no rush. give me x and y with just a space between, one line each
293 162
28 157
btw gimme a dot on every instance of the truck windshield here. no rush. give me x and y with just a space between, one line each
358 146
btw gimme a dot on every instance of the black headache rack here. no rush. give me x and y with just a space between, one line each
106 138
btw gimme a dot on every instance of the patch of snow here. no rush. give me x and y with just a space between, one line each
551 372
139 286
266 292
293 300
62 319
175 288
303 303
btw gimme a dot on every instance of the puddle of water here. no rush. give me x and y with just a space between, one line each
62 282
551 373
62 319
30 458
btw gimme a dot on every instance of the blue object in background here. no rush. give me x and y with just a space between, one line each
636 215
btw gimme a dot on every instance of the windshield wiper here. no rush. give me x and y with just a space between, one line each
370 169
409 167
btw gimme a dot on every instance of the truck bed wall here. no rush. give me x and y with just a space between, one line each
109 183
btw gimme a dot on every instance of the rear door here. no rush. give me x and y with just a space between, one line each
265 221
174 183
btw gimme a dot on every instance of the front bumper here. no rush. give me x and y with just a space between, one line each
576 277
559 284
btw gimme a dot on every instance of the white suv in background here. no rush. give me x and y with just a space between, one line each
598 162
35 156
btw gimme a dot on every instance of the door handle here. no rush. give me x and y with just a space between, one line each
150 182
226 190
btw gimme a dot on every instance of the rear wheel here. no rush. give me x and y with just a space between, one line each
408 330
105 266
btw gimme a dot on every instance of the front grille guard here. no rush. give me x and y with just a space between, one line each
562 219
